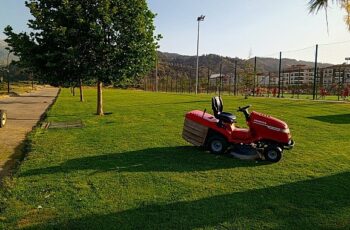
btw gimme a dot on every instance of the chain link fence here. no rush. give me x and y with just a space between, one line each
14 81
319 72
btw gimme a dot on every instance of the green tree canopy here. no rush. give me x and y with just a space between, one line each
106 40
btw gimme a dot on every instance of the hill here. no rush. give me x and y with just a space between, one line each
4 53
212 61
176 64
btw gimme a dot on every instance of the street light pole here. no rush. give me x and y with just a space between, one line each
199 19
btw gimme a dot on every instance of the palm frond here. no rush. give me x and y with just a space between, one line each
316 5
346 6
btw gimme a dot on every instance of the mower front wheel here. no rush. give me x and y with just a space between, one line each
273 154
217 144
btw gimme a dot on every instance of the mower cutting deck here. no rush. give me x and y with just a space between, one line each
265 138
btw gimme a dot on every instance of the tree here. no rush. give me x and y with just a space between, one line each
316 5
105 40
247 76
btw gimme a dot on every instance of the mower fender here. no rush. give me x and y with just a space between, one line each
211 133
216 143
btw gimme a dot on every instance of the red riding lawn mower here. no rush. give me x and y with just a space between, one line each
266 137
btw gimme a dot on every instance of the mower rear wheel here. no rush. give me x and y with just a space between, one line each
273 154
3 118
217 144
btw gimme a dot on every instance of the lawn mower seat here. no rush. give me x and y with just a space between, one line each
217 106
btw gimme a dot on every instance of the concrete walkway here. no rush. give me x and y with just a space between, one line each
23 113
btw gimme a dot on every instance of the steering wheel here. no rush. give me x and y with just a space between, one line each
243 108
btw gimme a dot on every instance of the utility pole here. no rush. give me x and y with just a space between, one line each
199 19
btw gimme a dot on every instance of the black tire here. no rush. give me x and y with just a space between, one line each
217 144
273 154
3 118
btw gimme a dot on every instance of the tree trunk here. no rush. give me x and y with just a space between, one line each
73 90
99 99
81 90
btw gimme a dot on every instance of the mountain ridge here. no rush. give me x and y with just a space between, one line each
212 61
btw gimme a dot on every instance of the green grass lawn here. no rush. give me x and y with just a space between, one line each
131 169
318 97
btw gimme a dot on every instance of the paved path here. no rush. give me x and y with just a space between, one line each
23 113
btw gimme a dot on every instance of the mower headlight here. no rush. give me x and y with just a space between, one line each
287 131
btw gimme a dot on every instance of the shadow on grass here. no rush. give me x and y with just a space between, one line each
341 119
321 203
170 159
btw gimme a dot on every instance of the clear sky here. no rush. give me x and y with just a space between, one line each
234 28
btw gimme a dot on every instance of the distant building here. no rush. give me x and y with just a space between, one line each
335 74
297 75
267 80
304 75
215 78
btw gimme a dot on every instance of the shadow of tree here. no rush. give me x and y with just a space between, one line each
340 119
321 203
167 159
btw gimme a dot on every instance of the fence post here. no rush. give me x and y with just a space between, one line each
235 80
171 84
279 76
176 78
339 83
166 84
269 85
229 85
220 83
208 86
157 75
182 86
282 84
315 74
254 76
